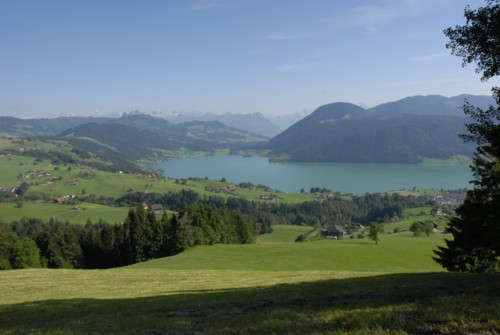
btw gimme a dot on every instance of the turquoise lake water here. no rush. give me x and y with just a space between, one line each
339 177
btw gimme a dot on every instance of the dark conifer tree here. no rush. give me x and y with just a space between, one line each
6 246
174 239
476 230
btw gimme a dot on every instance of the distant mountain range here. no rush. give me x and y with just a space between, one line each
133 136
255 123
403 131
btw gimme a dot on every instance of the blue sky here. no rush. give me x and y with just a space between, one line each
217 56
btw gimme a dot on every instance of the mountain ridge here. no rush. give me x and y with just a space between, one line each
403 131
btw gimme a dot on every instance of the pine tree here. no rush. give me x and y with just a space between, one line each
476 229
6 245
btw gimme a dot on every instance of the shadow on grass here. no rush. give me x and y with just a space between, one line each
427 303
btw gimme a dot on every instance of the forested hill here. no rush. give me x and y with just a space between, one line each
343 132
135 137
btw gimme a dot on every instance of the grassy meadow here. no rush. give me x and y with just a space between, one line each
395 253
78 214
275 286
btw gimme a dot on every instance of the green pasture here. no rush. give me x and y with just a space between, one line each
283 234
20 144
56 180
78 214
334 287
393 254
77 180
12 167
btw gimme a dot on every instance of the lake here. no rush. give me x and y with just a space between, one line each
289 177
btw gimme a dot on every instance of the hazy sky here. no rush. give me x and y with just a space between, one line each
239 56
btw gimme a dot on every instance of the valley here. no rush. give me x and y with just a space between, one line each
94 183
250 167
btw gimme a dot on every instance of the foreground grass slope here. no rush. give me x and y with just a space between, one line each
277 286
131 301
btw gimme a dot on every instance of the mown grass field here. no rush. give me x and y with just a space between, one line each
395 253
273 287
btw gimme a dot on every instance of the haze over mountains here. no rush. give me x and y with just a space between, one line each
403 131
253 123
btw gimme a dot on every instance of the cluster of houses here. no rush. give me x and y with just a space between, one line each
450 199
270 197
36 174
327 195
226 189
39 174
63 199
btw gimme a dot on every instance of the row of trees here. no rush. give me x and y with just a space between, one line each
142 236
334 210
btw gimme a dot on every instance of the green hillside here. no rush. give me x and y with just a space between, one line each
95 190
338 287
394 254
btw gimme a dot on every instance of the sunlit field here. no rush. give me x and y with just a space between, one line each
275 286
